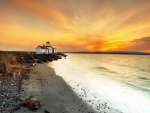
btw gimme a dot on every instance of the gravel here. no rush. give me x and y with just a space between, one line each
9 92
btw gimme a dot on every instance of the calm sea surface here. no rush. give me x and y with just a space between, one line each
133 70
124 80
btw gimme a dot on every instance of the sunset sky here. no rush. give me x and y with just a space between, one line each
75 25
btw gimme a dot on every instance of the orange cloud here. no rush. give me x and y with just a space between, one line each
75 26
50 13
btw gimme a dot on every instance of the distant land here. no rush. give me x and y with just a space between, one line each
111 52
87 52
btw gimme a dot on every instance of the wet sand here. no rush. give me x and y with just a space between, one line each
55 95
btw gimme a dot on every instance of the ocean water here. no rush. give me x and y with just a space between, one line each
123 81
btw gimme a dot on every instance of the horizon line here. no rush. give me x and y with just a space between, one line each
98 52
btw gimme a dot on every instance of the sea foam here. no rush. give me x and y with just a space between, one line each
119 95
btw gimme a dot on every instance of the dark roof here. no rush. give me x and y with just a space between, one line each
44 47
47 42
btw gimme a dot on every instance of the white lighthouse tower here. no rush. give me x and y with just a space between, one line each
48 47
48 44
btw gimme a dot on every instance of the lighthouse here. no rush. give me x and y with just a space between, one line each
45 49
48 44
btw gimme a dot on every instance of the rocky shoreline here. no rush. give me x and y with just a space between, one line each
14 68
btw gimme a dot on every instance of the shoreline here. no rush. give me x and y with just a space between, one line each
55 95
80 69
14 69
60 93
52 91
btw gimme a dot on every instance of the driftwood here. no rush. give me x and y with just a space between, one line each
31 103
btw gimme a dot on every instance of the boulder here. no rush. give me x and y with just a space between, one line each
45 111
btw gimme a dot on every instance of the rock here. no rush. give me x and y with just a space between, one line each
31 103
39 61
29 61
2 68
45 111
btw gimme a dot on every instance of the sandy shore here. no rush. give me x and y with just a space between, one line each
55 95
